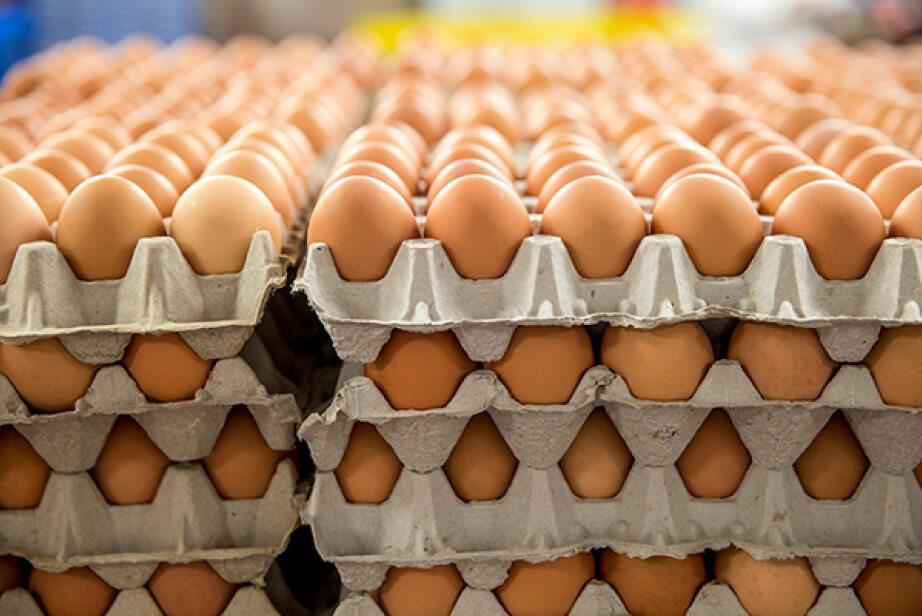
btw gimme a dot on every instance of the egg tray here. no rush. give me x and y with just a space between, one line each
247 601
95 320
74 525
185 431
422 292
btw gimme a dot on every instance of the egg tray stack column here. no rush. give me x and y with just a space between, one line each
73 524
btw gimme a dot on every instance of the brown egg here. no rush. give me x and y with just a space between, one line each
214 221
893 363
768 587
11 574
872 161
165 367
100 224
225 123
707 122
49 194
664 363
485 136
570 172
426 117
481 465
545 589
767 164
629 123
419 371
715 461
708 168
48 378
23 473
412 592
154 184
187 589
907 219
195 128
241 464
814 139
381 132
748 146
665 162
834 464
555 140
632 160
893 184
462 151
848 145
599 222
839 224
789 181
794 121
543 365
888 588
287 138
107 129
724 141
295 179
374 170
715 221
363 221
184 145
157 158
130 466
13 144
388 155
784 363
597 461
657 585
259 171
481 223
66 168
82 145
459 168
369 468
23 222
548 163
74 592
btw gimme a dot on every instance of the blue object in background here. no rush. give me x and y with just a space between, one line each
15 34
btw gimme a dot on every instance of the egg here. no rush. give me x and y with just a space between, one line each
832 466
412 592
599 222
767 164
459 168
481 465
462 151
363 222
597 462
259 171
724 141
165 367
557 139
543 167
48 378
545 589
893 184
67 169
715 461
783 362
388 155
485 136
794 121
626 124
907 219
49 194
184 145
23 220
481 223
889 588
157 158
425 116
708 168
130 466
848 145
154 184
705 123
789 181
864 167
664 363
295 179
893 361
241 464
23 473
666 161
381 132
225 122
11 574
369 468
13 144
288 139
658 585
748 146
74 592
214 221
186 589
631 161
543 365
107 129
100 224
568 173
195 128
768 587
839 225
82 145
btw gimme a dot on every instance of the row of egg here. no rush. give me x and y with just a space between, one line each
655 586
130 467
179 589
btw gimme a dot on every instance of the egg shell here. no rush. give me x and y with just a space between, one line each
748 146
283 136
543 365
367 168
158 158
13 144
388 133
369 468
165 367
848 145
259 171
294 180
184 145
632 161
82 145
767 164
101 223
545 165
484 136
631 122
500 118
597 461
832 466
74 592
555 140
23 222
481 465
226 123
599 222
67 169
419 371
570 172
708 168
665 162
707 122
11 574
23 473
49 194
864 167
107 129
214 221
241 464
789 181
657 585
907 219
641 137
664 363
461 151
412 592
481 223
893 184
154 184
794 121
894 362
839 225
388 155
460 168
715 461
724 141
363 221
196 128
888 588
187 589
48 378
768 587
426 116
545 589
130 467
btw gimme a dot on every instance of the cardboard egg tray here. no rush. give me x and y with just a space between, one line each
424 523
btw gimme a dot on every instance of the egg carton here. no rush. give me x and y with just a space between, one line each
422 292
185 431
160 293
74 526
247 601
